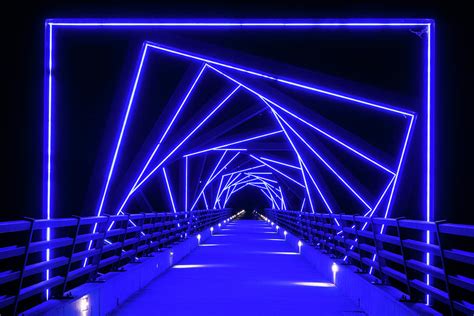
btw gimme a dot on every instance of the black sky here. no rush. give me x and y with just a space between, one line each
22 75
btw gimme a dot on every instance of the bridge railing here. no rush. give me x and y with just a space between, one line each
396 252
59 254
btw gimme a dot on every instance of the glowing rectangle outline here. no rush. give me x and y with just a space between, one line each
48 169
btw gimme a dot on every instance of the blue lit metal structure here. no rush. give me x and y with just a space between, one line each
300 171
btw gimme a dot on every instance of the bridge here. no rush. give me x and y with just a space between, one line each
241 167
238 263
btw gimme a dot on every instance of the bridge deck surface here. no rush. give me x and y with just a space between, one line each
244 269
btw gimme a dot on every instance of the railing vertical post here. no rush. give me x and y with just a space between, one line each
139 237
99 245
151 232
195 221
71 254
310 228
444 266
303 225
321 232
316 228
327 234
377 246
332 235
167 229
188 223
357 241
404 256
161 228
25 262
123 238
344 235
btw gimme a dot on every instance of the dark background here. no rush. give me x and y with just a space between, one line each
22 64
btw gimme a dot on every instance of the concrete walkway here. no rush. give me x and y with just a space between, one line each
244 269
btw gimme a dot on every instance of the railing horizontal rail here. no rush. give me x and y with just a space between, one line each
395 251
77 254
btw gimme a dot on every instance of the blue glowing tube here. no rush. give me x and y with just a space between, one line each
280 163
302 205
186 184
218 191
226 23
169 190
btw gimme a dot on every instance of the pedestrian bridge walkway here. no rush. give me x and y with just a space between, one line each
218 262
245 268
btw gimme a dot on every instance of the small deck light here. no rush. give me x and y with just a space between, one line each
335 269
84 305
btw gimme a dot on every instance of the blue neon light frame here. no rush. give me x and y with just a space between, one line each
50 106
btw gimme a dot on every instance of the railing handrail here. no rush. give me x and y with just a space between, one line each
395 249
23 225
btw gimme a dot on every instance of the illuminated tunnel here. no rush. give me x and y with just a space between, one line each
228 128
189 116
